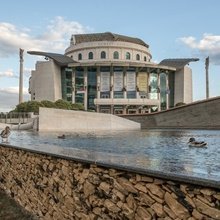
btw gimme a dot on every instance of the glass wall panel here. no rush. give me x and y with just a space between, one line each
131 83
118 77
105 82
92 87
163 91
66 84
79 85
153 86
171 88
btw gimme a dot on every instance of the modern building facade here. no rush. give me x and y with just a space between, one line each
111 73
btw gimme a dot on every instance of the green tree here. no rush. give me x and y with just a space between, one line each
30 106
77 106
48 104
62 104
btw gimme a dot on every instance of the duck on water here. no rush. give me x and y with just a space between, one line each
193 143
5 133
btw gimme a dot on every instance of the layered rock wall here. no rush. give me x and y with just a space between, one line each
56 188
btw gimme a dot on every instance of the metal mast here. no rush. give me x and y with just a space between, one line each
207 76
21 51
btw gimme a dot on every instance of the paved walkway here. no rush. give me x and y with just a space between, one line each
10 210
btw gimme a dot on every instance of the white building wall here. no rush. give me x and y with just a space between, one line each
45 81
183 86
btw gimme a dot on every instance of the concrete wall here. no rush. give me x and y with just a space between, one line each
68 120
201 114
183 86
55 188
45 82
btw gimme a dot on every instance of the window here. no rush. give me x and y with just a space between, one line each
128 56
79 56
145 58
137 57
90 55
103 55
116 55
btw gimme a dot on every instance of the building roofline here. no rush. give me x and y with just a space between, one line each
60 59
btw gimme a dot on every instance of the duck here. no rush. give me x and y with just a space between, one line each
5 133
193 143
63 136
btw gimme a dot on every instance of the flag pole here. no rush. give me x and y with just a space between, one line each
21 52
207 76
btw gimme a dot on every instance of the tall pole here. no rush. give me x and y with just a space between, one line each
207 76
21 51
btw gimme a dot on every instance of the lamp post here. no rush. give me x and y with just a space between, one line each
21 51
207 76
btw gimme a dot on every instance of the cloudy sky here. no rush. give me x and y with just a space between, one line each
173 29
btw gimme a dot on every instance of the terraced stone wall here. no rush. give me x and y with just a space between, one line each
55 188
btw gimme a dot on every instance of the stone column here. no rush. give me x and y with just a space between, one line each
158 88
73 85
21 52
167 90
85 88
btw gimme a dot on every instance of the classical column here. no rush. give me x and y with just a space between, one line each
167 90
158 88
73 85
21 52
85 88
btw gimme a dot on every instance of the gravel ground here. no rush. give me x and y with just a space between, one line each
10 210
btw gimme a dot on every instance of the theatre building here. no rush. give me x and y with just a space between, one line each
111 73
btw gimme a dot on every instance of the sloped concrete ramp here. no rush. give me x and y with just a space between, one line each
204 114
69 120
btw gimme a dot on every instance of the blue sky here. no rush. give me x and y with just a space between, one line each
173 29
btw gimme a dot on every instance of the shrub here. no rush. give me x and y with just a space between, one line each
179 104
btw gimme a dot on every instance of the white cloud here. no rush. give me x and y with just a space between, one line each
13 90
8 73
9 98
209 45
55 38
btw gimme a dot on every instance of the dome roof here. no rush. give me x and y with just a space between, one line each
107 36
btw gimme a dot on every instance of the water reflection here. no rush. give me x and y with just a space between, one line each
157 150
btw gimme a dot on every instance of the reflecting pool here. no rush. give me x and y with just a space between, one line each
157 150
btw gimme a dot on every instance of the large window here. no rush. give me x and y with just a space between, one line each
66 81
138 57
116 55
92 84
153 89
103 55
90 55
128 56
79 56
79 85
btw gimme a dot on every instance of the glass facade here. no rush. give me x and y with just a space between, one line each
118 83
66 81
92 88
163 91
79 85
153 88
